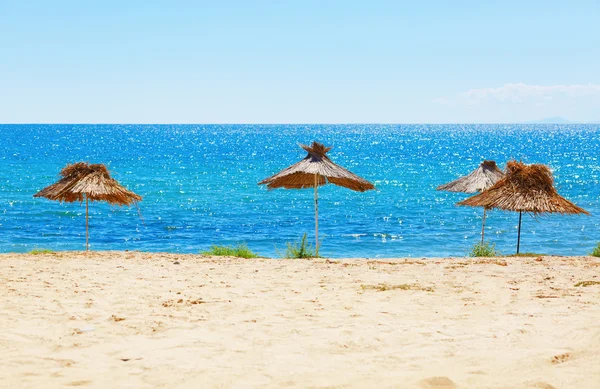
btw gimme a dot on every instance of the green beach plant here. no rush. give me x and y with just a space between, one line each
299 250
596 251
41 251
484 250
587 283
239 251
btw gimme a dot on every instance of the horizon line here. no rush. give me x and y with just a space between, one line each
288 123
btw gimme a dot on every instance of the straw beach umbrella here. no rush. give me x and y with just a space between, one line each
480 179
315 170
92 182
525 188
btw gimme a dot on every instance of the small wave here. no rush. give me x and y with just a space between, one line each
354 235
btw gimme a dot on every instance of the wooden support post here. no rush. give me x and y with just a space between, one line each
519 232
317 213
87 228
483 225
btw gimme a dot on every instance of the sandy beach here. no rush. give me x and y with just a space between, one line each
140 320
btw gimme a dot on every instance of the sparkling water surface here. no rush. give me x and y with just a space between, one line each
199 184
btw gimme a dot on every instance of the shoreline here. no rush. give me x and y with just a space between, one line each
92 253
164 320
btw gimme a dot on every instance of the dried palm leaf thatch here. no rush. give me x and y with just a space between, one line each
302 174
90 182
525 188
315 170
81 180
480 179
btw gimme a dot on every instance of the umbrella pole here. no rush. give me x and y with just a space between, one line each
483 225
87 233
316 215
519 232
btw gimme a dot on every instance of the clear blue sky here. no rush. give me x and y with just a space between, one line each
131 61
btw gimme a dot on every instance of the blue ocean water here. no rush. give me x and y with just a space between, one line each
199 184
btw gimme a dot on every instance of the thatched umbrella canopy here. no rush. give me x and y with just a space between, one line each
480 179
92 182
525 188
315 170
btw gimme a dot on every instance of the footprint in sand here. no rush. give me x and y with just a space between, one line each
79 383
437 383
541 385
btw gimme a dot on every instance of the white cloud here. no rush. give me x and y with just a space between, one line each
521 93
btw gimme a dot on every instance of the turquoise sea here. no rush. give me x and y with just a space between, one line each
199 184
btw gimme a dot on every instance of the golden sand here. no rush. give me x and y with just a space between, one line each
139 320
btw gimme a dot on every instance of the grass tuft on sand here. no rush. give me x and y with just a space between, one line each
484 250
41 251
587 283
385 287
596 251
239 251
299 250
